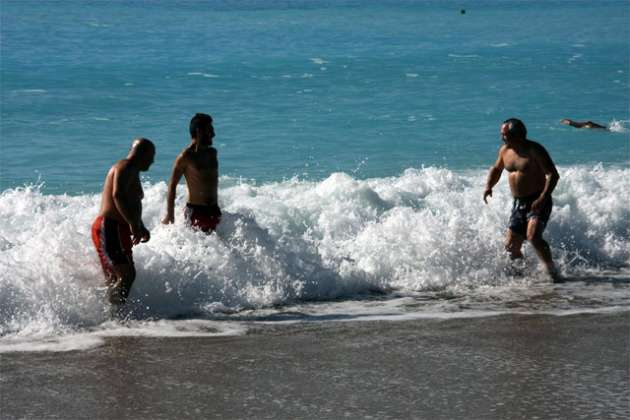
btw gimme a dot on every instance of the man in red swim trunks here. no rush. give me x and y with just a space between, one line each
199 165
118 225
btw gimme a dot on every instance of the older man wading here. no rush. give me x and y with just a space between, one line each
119 225
532 178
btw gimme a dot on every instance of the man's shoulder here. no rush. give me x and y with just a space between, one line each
535 147
123 169
186 154
191 151
534 144
121 165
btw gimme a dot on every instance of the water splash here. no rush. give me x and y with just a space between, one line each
286 243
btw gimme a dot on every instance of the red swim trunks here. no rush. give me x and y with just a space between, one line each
112 240
205 218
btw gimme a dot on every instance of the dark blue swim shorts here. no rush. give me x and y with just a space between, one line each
522 212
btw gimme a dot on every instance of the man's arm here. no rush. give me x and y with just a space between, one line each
127 206
215 180
176 175
551 174
128 201
494 175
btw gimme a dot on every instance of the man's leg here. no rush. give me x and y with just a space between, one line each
534 236
119 284
513 244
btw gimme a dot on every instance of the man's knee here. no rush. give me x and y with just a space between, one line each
513 245
119 290
534 235
128 279
535 229
537 241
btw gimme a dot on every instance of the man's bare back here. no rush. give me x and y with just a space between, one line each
583 124
122 180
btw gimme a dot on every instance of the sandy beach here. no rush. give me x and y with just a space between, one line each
516 367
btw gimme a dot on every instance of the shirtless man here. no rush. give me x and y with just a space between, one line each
532 178
118 225
199 165
582 124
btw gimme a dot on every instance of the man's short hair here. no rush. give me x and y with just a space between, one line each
516 127
199 121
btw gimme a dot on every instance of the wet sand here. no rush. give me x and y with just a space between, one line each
516 367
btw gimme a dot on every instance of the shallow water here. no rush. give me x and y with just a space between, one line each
353 140
419 245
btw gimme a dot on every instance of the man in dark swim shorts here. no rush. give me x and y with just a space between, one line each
522 213
199 165
118 225
532 178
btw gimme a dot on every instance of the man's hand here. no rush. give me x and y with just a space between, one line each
168 219
486 193
537 204
139 234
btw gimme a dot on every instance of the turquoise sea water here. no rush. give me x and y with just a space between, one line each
306 88
354 141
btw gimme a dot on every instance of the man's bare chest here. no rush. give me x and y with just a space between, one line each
203 161
201 168
515 162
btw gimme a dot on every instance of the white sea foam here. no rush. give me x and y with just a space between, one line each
206 75
619 126
33 91
463 55
95 24
318 61
280 244
95 337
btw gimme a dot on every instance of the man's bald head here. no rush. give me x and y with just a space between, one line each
142 145
142 153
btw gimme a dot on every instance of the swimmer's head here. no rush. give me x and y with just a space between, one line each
201 128
513 128
142 153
